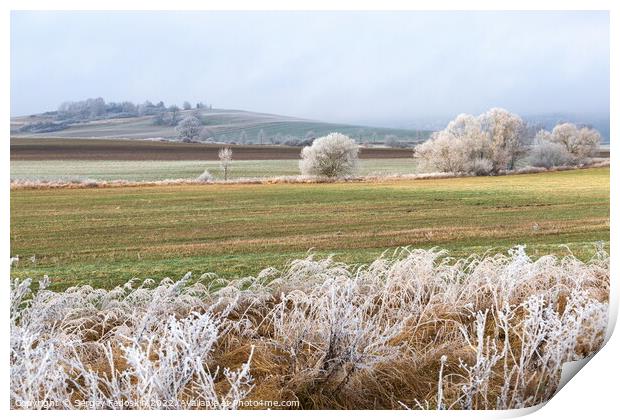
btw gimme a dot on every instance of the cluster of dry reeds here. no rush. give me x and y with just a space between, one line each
414 329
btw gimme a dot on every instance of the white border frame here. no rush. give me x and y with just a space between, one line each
591 394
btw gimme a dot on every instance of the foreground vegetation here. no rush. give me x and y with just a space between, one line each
104 237
412 330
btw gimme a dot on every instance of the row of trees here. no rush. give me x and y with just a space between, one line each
192 128
487 144
483 145
495 140
93 108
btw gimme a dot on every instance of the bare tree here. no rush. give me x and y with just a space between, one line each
225 156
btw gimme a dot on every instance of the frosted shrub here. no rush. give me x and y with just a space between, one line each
579 144
414 328
332 156
205 176
546 154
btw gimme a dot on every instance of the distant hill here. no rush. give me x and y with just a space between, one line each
222 125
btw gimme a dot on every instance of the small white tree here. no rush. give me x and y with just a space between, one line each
189 128
334 155
225 156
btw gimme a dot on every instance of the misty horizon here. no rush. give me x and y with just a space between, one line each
370 68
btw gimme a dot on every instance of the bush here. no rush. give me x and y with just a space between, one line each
205 176
332 156
580 143
546 154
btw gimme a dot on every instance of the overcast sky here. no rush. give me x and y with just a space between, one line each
358 67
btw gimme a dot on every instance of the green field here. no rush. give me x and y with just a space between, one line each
106 170
106 236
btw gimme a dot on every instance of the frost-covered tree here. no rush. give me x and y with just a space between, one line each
507 136
225 156
481 145
187 106
581 143
462 147
243 137
334 155
189 128
546 154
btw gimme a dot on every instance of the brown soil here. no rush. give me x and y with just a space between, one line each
97 149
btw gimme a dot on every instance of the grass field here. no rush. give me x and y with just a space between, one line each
104 170
106 236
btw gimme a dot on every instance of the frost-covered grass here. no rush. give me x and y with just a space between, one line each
414 329
108 170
